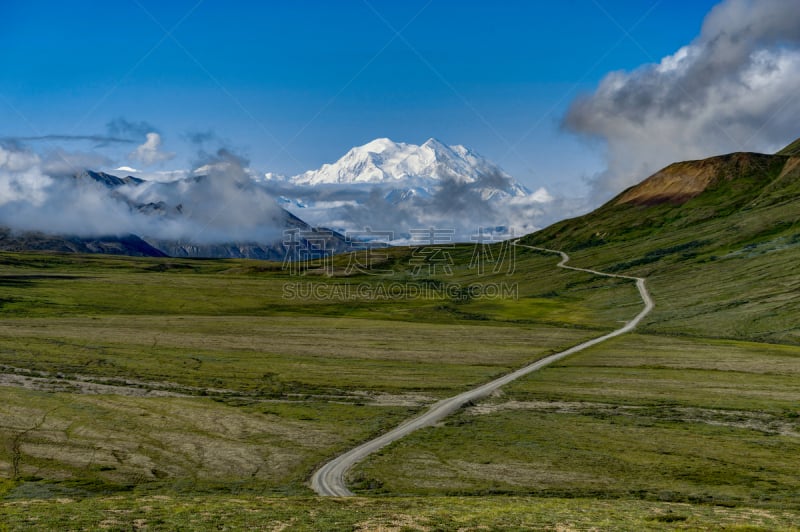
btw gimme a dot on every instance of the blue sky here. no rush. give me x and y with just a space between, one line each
293 85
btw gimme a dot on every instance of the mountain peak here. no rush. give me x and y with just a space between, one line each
379 145
407 165
435 144
107 180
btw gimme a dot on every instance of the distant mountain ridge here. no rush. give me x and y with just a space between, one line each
107 180
147 245
129 245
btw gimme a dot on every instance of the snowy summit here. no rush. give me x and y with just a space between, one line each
383 161
397 186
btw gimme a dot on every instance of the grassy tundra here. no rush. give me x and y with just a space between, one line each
185 393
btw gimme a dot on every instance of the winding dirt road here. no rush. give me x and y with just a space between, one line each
329 480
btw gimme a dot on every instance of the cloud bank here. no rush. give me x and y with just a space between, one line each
734 88
222 205
452 205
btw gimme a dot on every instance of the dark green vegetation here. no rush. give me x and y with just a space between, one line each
179 393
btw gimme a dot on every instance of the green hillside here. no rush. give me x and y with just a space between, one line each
718 240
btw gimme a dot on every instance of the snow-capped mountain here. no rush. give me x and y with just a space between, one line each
397 186
386 162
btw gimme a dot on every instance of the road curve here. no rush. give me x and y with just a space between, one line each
329 480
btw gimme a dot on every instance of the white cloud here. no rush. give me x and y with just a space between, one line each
17 160
541 195
734 88
222 206
451 204
21 179
150 152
